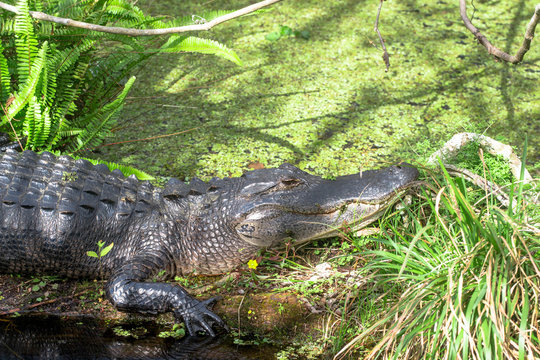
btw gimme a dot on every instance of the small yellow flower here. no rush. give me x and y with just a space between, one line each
252 264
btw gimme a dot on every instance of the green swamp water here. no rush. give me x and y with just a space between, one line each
325 102
78 338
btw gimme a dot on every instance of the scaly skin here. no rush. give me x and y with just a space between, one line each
55 209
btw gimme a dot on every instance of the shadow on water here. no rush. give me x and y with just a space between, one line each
32 337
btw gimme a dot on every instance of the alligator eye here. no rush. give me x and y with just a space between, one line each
246 229
291 181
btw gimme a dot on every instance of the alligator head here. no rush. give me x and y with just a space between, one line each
287 202
235 218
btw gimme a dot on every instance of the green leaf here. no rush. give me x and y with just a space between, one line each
92 254
285 30
273 36
523 326
106 250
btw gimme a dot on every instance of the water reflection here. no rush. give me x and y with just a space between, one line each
47 338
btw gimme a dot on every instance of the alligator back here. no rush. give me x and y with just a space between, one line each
54 209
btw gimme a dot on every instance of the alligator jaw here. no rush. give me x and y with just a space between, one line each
323 207
355 217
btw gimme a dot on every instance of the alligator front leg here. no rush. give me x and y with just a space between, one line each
128 292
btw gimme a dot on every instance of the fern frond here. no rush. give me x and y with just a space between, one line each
59 133
37 125
67 92
29 127
177 43
25 41
102 120
121 9
5 78
7 26
65 59
72 9
45 130
27 90
70 132
126 170
35 5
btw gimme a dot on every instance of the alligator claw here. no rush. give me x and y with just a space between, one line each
200 319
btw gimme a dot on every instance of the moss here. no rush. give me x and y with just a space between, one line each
496 168
277 315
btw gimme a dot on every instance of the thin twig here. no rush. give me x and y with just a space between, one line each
145 139
38 15
386 56
4 109
499 54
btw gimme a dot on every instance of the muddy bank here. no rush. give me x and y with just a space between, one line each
277 315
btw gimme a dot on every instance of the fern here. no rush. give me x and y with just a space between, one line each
25 41
102 120
124 10
43 137
178 43
5 87
29 120
64 84
126 170
7 26
28 89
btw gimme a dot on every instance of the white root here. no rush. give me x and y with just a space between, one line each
492 146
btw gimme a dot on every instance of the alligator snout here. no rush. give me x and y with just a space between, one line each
318 208
372 186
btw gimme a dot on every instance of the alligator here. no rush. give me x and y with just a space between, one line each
53 210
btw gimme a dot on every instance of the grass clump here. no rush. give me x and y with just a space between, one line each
495 167
468 278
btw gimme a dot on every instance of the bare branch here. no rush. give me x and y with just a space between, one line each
514 59
386 56
142 32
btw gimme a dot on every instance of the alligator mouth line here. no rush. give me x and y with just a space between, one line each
358 221
322 210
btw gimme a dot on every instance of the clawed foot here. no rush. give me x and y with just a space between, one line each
199 318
